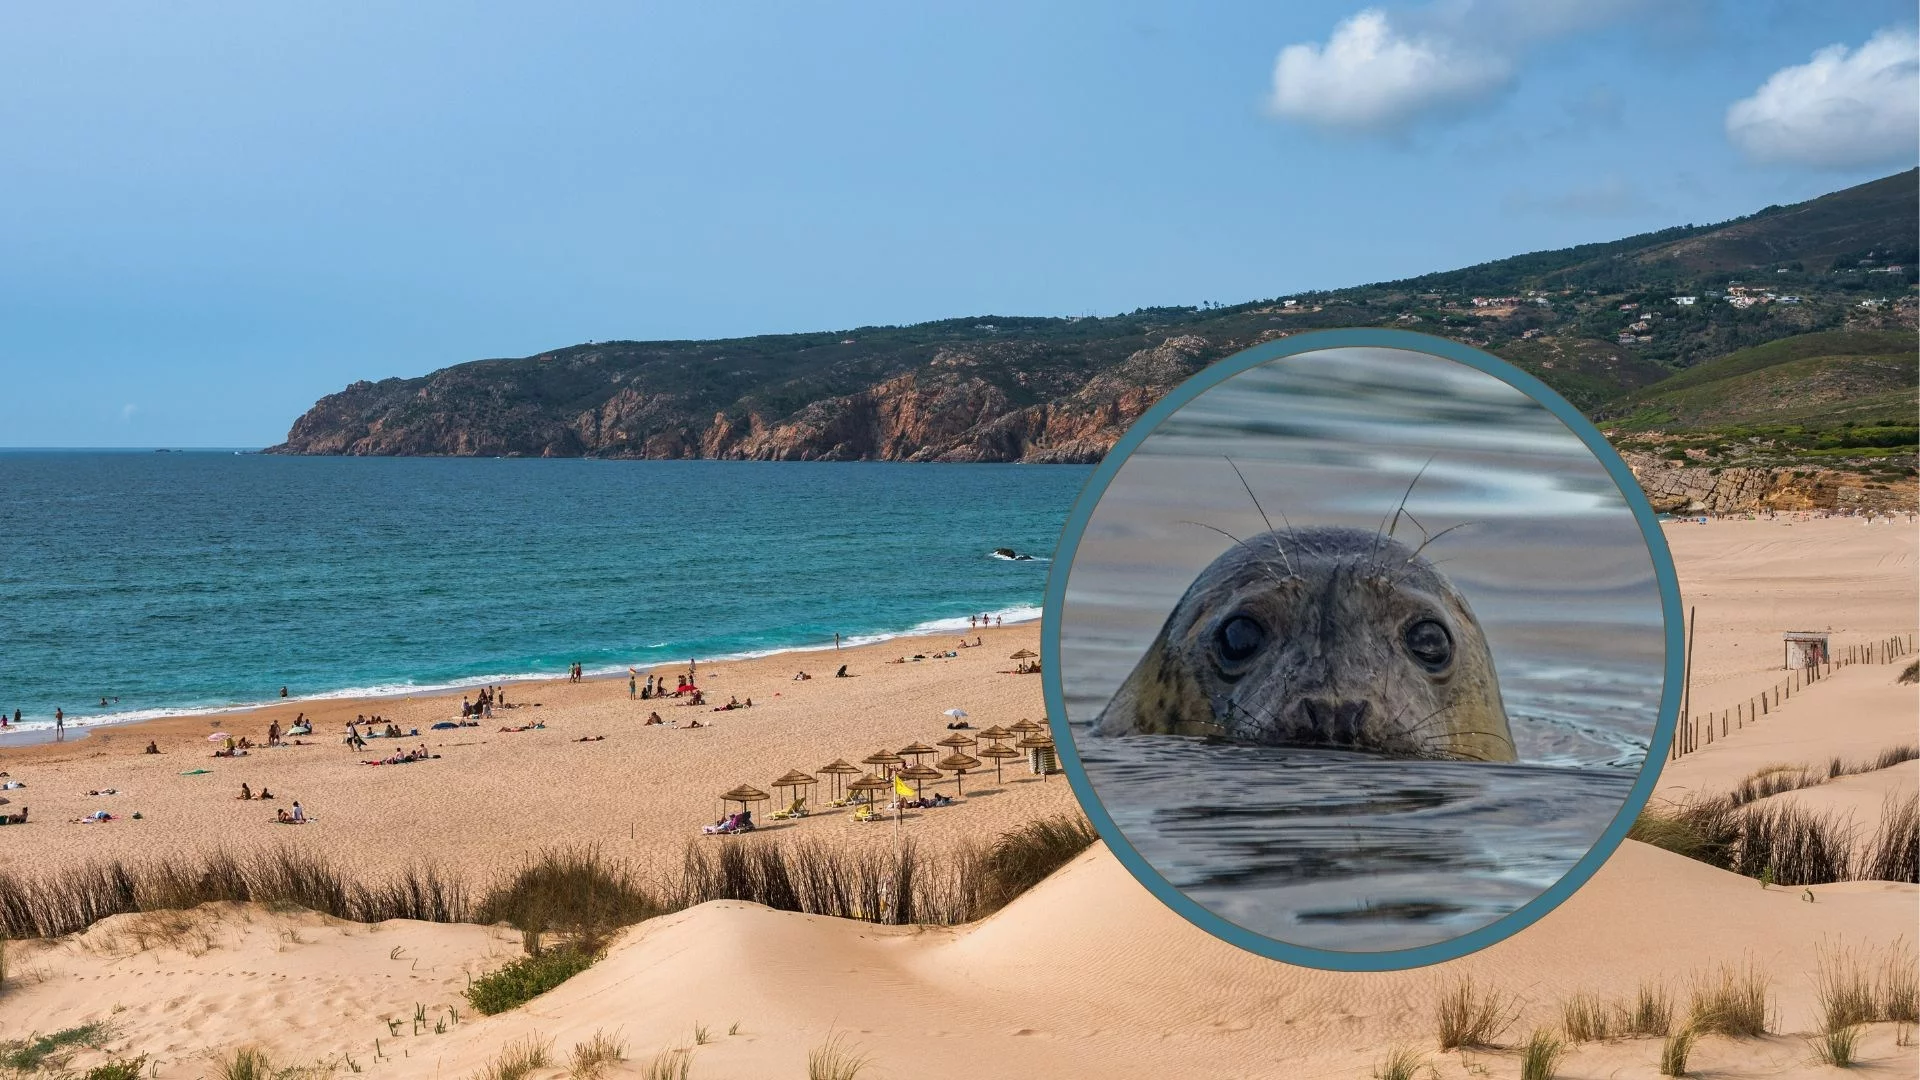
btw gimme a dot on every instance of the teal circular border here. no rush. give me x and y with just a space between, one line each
1331 959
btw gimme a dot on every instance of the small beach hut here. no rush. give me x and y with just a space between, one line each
917 751
838 768
957 764
796 780
999 754
1805 648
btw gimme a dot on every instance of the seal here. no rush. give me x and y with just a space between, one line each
1324 637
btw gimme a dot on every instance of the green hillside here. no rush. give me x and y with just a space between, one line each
1818 382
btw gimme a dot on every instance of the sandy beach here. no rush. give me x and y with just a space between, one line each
492 798
1086 975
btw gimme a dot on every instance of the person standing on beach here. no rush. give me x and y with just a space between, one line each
59 725
633 685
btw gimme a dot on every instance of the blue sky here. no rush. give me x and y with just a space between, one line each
214 214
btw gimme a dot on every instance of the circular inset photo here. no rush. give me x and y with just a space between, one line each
1362 649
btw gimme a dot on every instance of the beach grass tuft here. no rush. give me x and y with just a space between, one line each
1731 1000
1843 988
1401 1063
1837 1047
37 1051
526 978
594 1056
1675 1051
518 1060
1471 1016
119 1069
1897 991
836 1059
1540 1055
668 1065
1651 1012
578 892
1912 673
1021 859
246 1063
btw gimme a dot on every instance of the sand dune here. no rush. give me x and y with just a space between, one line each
1085 976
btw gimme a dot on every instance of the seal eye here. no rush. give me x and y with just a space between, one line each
1430 644
1238 639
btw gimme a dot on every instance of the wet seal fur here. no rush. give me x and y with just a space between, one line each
1334 638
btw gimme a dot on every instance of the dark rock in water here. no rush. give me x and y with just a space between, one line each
1005 553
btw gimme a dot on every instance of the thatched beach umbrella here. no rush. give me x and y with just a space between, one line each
917 751
745 794
882 758
956 740
999 754
958 764
871 783
996 733
838 768
1024 654
1025 727
917 773
796 780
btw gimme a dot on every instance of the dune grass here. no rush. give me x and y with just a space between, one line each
119 1069
1469 1015
1837 1047
526 978
36 1052
1586 1018
668 1065
1788 844
581 895
594 1056
1731 1000
1540 1055
836 1059
1675 1051
246 1063
1897 990
517 1060
1844 989
1401 1063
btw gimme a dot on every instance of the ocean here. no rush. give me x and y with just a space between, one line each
1344 851
173 582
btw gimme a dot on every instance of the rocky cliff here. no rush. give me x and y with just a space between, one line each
1676 487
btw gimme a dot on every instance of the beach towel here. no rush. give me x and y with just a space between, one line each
196 772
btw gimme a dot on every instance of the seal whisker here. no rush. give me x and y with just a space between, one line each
1277 580
1438 535
1386 531
1268 522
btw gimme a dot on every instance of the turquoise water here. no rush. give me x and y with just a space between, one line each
197 580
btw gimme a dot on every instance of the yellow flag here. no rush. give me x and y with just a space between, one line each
901 789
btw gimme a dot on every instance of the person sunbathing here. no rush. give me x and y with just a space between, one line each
652 719
802 677
245 791
696 724
153 748
842 673
595 738
264 794
698 698
15 819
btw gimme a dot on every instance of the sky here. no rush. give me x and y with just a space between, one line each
213 214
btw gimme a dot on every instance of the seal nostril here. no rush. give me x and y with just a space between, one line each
1335 723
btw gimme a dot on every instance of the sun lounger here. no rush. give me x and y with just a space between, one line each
797 810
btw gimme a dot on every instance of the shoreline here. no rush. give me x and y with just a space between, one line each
329 715
37 732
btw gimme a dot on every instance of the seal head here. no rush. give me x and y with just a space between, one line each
1321 637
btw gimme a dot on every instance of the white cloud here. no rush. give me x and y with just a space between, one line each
127 411
1371 77
1378 72
1842 109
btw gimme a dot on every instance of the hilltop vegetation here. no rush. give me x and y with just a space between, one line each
1794 325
